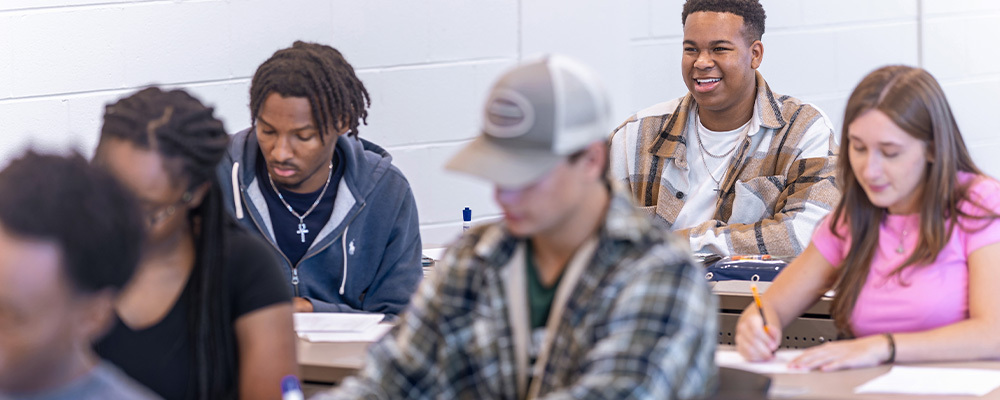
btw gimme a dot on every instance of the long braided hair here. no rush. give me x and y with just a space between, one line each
319 73
179 128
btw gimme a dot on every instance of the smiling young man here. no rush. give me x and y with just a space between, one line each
338 214
575 294
732 166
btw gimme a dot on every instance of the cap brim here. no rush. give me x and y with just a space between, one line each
504 166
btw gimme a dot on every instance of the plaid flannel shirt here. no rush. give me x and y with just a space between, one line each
778 187
641 324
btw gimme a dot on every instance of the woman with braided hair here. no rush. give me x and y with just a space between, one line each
205 316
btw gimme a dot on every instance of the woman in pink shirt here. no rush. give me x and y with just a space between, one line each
910 249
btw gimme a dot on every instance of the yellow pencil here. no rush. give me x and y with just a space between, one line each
756 299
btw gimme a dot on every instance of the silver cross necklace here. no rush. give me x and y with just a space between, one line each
705 154
302 231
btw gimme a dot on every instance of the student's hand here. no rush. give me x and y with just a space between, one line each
753 343
844 354
302 305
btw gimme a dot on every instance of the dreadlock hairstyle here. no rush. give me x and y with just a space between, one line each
751 11
322 75
182 130
914 101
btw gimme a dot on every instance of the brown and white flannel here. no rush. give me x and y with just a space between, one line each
778 187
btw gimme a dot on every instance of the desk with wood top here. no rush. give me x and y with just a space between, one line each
329 363
841 384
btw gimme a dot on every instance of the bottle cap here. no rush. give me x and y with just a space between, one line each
290 388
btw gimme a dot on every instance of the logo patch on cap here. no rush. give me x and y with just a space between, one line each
508 114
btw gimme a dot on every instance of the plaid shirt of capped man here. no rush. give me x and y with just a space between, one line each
777 189
640 324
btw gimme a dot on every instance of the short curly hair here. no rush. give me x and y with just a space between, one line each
751 11
94 220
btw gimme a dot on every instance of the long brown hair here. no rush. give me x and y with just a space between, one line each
914 101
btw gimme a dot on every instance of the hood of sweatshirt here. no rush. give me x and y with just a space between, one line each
365 165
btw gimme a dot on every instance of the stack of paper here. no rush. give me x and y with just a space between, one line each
936 381
340 327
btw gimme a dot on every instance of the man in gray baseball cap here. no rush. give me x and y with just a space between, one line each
574 294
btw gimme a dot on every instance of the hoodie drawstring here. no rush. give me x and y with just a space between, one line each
343 246
236 191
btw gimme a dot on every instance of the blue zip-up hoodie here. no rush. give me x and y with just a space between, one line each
367 256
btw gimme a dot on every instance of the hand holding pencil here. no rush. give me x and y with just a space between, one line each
756 339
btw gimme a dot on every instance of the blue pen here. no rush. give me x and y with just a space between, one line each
290 389
466 219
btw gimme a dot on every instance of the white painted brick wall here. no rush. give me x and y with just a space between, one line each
954 34
428 64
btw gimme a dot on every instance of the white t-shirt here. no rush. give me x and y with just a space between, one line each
699 205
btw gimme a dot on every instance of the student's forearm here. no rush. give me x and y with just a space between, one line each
970 339
266 345
786 233
799 286
323 306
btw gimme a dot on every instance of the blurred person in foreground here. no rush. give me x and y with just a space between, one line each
70 238
574 294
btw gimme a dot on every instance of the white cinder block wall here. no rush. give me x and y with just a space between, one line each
428 64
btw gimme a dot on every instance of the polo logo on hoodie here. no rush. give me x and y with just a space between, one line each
350 248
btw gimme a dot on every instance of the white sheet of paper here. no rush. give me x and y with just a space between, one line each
936 381
434 252
777 365
335 322
369 335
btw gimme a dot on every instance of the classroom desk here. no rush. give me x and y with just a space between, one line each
329 362
812 328
332 362
324 364
841 384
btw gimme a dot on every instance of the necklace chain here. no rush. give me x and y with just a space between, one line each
718 182
697 134
705 153
902 239
302 231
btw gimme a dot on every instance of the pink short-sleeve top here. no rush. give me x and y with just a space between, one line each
926 296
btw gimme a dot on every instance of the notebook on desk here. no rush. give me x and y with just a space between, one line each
327 327
335 322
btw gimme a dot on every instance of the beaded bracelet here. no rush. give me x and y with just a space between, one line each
892 348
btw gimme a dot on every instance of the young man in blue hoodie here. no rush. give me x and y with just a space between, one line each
340 217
